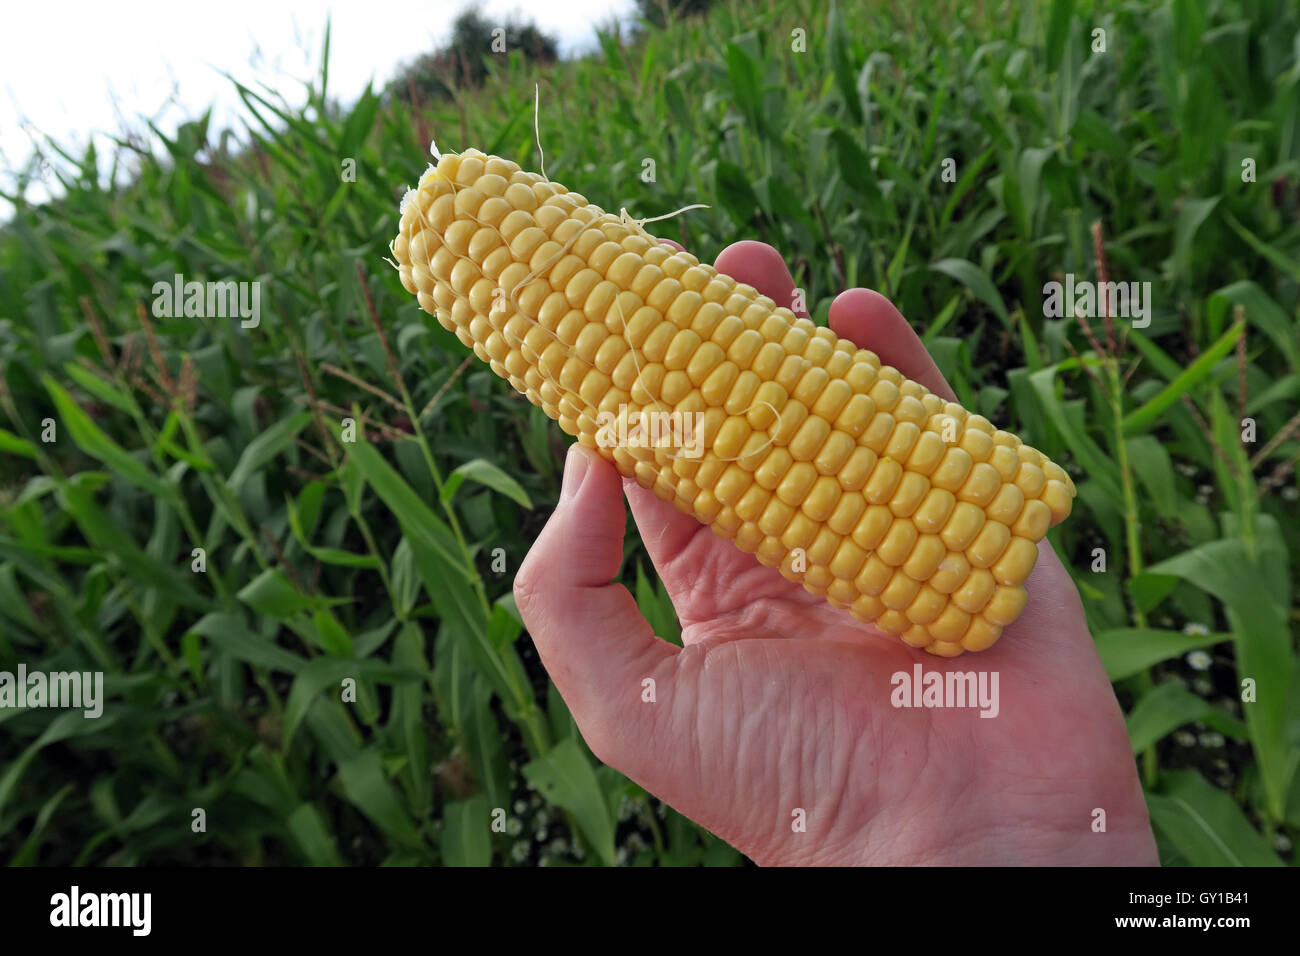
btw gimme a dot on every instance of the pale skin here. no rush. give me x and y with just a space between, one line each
778 708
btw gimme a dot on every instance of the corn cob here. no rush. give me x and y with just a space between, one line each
905 509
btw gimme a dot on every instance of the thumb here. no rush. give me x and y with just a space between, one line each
589 633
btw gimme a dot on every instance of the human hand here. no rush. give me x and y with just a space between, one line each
778 702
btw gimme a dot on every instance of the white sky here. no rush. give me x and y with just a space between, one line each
64 63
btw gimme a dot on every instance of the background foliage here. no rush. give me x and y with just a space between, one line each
391 560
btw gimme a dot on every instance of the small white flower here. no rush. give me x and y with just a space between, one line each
519 852
1282 843
1211 739
1195 629
1185 738
1290 493
1202 686
1199 661
520 807
514 827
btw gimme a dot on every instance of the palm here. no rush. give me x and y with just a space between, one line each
774 667
778 710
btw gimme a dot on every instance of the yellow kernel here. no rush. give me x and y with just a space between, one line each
822 498
832 400
926 454
811 385
1005 605
1030 478
771 552
808 440
950 625
885 394
1006 505
834 452
855 472
933 511
893 622
682 349
878 432
988 544
975 593
982 484
868 608
964 523
796 483
773 468
800 532
847 561
846 514
873 576
898 542
752 502
981 635
740 399
871 527
1006 461
823 547
735 481
857 415
952 470
902 441
951 572
926 606
885 480
1035 518
899 592
976 443
1057 497
1016 562
909 494
928 551
776 517
768 401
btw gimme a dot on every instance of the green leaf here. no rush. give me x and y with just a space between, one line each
95 443
366 786
11 444
1156 473
1168 707
265 447
1143 418
1190 217
271 594
308 828
564 777
973 278
229 633
1253 589
1058 33
418 521
334 639
485 473
1205 824
103 390
467 833
841 56
322 673
1130 650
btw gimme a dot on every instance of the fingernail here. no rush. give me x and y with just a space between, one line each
575 470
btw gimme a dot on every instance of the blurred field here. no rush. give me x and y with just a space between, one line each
390 560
